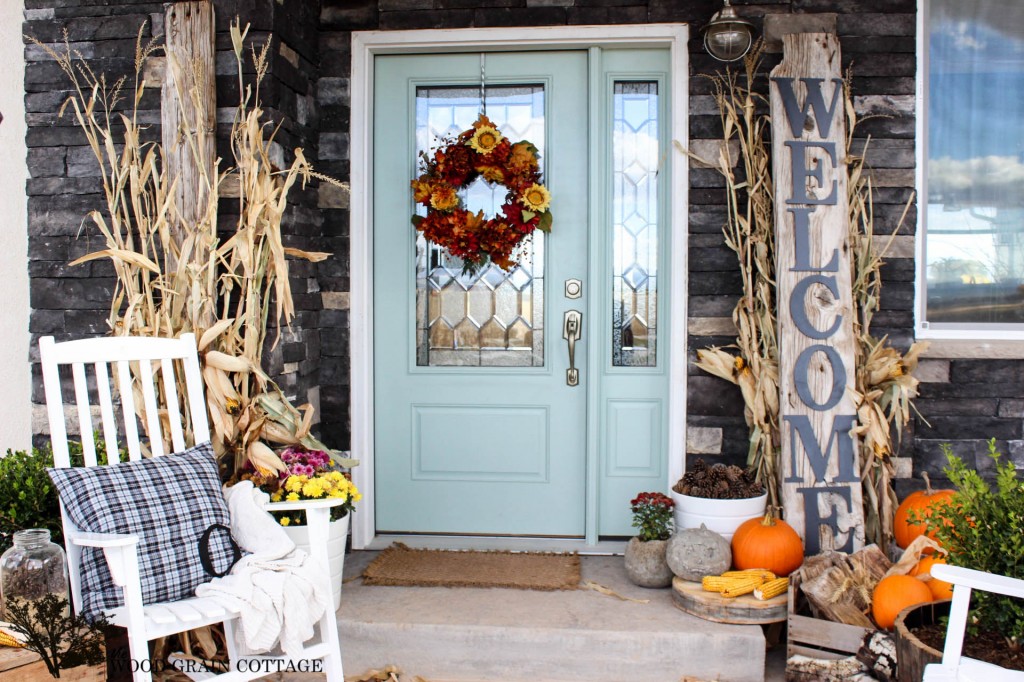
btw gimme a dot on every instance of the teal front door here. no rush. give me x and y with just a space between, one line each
477 429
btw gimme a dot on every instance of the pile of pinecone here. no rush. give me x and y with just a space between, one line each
718 482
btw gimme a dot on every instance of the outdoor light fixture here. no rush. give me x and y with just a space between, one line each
727 37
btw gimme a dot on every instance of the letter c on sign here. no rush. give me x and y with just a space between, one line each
799 312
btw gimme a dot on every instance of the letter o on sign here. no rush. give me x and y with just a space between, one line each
803 368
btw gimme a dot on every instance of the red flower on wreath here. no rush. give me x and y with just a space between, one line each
481 151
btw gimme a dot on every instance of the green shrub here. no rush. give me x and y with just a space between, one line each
28 498
983 529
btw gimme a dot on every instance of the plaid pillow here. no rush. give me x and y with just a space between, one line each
169 502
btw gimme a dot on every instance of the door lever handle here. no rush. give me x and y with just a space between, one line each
572 331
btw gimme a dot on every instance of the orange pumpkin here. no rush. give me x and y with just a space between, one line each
767 543
895 593
940 589
924 502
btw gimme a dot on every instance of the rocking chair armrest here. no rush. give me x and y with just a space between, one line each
979 580
104 540
303 505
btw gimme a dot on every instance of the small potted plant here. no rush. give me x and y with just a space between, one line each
645 554
718 497
312 475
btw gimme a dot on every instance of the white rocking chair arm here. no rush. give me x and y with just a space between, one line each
979 580
104 540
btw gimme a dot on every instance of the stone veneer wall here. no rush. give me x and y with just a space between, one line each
964 400
73 302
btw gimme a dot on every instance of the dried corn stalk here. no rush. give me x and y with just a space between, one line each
175 276
750 232
884 383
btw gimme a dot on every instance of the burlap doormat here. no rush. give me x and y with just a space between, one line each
399 565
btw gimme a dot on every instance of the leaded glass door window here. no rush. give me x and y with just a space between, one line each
493 317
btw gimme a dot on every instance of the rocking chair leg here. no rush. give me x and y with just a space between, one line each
231 643
329 634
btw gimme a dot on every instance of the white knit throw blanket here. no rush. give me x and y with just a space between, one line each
279 591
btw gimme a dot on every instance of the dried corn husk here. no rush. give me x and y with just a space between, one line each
176 276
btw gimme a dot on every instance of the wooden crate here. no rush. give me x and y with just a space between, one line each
19 665
817 637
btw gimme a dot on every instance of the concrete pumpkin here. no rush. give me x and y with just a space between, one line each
696 552
769 543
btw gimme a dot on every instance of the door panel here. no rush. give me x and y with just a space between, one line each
476 430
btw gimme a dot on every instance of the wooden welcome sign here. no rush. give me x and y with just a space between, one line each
821 490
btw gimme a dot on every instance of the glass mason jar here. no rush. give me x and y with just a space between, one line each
32 568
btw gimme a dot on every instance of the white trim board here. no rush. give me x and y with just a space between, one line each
365 46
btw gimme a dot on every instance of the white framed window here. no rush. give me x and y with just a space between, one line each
970 169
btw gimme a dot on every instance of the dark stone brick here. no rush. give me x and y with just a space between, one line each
711 306
46 322
970 427
455 18
707 395
530 16
717 283
873 24
952 408
712 259
46 162
607 15
986 371
67 294
898 270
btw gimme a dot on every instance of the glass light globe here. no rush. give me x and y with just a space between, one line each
727 37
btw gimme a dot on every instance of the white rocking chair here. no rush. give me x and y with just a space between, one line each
145 622
955 667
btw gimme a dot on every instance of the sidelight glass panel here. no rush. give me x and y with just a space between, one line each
492 318
634 210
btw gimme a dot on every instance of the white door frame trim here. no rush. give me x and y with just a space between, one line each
365 46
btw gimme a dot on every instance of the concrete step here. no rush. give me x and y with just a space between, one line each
504 635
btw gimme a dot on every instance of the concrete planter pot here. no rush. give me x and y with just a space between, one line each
721 516
646 565
336 539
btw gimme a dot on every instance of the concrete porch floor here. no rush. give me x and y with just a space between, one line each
504 635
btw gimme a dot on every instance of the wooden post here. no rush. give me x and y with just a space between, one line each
189 77
821 490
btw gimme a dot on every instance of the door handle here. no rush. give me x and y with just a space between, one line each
572 331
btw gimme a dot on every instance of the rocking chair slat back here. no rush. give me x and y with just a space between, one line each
162 409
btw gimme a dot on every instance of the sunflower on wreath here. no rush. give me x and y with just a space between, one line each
481 151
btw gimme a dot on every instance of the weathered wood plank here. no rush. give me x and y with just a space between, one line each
746 610
821 492
189 79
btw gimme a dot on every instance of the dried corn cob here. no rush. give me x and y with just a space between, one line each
742 586
717 583
8 640
762 573
772 588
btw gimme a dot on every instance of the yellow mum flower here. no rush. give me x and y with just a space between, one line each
276 497
536 197
292 497
444 198
485 139
286 521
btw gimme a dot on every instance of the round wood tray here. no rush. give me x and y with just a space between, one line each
746 610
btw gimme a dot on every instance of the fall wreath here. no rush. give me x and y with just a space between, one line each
481 151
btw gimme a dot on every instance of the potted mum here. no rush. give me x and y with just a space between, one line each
718 497
312 475
645 554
